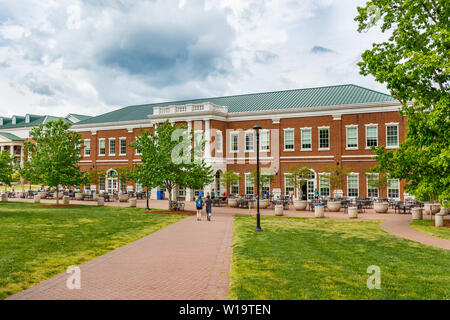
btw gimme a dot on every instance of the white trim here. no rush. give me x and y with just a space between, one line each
252 132
109 146
359 156
351 126
120 146
357 183
318 138
392 124
301 138
118 160
234 133
260 137
371 125
284 139
307 157
99 153
367 183
219 133
84 148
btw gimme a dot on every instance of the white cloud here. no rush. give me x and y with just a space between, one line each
89 56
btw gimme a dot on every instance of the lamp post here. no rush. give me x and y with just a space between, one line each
258 218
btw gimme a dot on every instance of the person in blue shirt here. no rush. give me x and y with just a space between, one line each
208 205
199 205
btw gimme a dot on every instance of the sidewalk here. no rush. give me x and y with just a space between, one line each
186 260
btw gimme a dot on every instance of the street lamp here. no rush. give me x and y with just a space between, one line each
258 218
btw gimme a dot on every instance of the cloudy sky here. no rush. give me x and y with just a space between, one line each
93 56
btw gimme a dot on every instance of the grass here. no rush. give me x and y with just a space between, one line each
426 227
37 243
301 258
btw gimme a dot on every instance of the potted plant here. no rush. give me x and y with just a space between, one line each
380 206
265 178
278 210
93 177
79 195
338 178
301 175
229 178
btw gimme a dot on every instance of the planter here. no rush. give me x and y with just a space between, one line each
66 200
4 197
42 195
132 202
123 197
279 210
100 201
263 203
319 211
433 207
300 205
95 197
438 220
37 198
443 212
232 202
334 206
417 213
381 207
352 212
79 196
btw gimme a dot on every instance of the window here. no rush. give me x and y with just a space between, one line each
139 187
249 142
234 138
352 185
392 135
288 184
324 185
249 185
123 186
288 139
352 137
198 107
181 109
371 136
265 140
265 187
372 186
324 138
219 142
181 192
101 147
306 139
123 146
234 188
393 187
102 183
87 148
112 146
138 151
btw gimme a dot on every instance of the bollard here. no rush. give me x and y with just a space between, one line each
37 198
319 211
101 201
4 197
66 200
132 202
417 213
352 212
438 220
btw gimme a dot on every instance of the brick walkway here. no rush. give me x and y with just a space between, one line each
186 260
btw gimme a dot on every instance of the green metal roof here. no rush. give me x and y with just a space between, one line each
35 120
80 117
10 136
289 99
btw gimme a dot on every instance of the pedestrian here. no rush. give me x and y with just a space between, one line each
208 203
199 205
316 194
213 194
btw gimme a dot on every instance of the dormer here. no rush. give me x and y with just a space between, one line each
27 118
13 120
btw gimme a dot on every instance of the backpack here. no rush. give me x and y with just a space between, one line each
198 202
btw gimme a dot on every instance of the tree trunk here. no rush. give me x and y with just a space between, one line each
148 208
170 198
57 196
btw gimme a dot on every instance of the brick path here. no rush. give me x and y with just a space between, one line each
186 260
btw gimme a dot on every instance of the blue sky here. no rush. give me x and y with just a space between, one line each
93 56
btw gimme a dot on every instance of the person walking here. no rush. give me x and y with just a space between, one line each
199 205
208 204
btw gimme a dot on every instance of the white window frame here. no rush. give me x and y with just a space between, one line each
353 174
326 174
318 136
351 126
264 131
367 184
85 149
219 146
233 134
371 125
250 185
290 176
109 146
252 133
293 138
234 185
301 138
138 153
99 147
120 146
399 188
392 124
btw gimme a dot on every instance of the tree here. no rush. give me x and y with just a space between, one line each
338 176
414 64
94 175
301 175
168 161
53 156
229 178
7 168
124 174
265 178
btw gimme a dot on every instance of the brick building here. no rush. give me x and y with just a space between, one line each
315 127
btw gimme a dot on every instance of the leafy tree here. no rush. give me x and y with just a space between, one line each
168 161
265 178
414 64
53 156
229 178
7 168
338 176
124 174
301 175
94 175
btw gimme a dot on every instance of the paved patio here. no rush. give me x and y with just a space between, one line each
186 260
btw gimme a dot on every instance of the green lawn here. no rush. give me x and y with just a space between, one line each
37 243
426 227
301 258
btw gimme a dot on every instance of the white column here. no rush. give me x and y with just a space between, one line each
11 149
207 139
189 192
21 156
